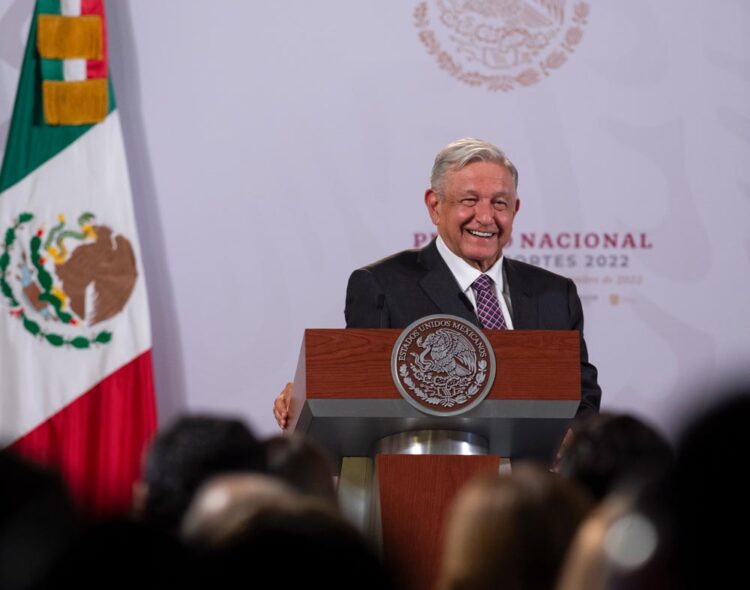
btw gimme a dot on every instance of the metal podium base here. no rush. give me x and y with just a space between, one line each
433 442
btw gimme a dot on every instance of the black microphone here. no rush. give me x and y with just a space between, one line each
380 306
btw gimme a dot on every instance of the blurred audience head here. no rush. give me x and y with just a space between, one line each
245 523
303 465
676 529
710 493
185 455
37 521
624 544
511 531
124 554
225 505
608 450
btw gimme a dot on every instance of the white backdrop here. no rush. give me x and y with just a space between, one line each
274 147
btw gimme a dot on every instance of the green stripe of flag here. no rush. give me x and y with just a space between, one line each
52 69
48 7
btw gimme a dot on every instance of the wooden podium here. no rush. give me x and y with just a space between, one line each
345 399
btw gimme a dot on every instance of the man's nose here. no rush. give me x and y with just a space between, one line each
485 212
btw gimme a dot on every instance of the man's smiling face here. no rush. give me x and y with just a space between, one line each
474 211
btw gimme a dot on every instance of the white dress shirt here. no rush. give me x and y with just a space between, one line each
465 275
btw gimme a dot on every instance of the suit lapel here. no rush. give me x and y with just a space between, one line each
525 309
440 285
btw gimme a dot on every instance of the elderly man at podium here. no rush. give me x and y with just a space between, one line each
473 202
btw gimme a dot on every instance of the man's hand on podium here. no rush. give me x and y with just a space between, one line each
281 406
566 442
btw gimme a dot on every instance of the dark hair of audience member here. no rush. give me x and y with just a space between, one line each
242 523
301 464
710 491
306 547
185 455
125 554
511 531
37 521
608 450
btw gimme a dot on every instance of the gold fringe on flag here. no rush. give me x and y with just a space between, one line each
75 103
70 37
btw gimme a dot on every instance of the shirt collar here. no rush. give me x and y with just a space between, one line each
464 273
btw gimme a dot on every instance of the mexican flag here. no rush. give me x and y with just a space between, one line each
76 380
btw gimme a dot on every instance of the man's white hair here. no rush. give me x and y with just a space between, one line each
461 153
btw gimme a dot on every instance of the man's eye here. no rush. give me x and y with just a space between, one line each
468 202
500 205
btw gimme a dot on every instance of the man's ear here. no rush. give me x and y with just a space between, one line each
518 205
432 202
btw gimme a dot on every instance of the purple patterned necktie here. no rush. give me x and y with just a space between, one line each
488 306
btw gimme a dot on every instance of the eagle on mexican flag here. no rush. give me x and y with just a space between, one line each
76 379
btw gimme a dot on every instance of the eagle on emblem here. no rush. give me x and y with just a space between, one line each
446 351
529 13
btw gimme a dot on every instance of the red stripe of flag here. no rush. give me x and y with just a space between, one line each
96 68
97 441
